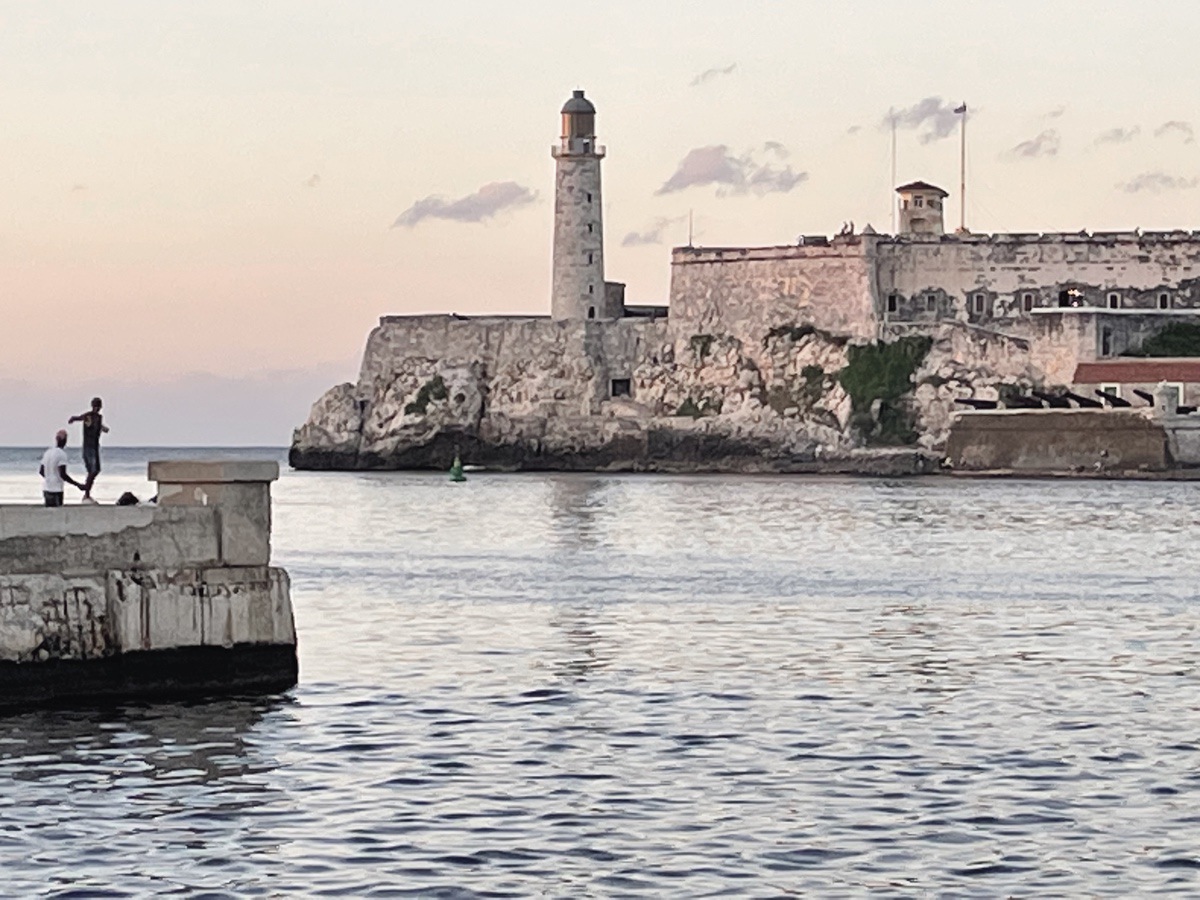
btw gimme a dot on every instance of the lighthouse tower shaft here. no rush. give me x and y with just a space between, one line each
578 282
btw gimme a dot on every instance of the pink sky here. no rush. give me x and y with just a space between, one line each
160 220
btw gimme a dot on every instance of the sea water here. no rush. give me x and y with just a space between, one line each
596 685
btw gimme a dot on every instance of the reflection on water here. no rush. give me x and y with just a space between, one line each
615 686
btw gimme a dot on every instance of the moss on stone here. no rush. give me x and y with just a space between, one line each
433 389
883 373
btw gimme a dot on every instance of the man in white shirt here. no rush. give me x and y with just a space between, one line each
54 471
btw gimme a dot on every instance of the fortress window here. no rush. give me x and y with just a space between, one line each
620 387
1106 342
1064 297
1114 300
980 301
1027 301
591 289
1164 300
589 259
1114 389
589 196
918 202
591 312
589 227
893 303
931 302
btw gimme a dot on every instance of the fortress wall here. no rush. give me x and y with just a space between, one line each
747 292
1005 266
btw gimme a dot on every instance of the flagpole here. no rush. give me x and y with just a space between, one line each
892 189
962 172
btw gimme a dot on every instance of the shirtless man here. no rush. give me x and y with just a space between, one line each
93 427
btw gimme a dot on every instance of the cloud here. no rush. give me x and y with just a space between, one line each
777 148
483 204
77 187
1157 183
1118 135
732 174
1045 144
312 181
933 114
854 129
1176 128
1056 113
654 234
709 74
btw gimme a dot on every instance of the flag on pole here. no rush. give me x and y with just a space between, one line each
962 109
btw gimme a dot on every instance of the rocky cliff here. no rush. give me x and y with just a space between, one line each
637 395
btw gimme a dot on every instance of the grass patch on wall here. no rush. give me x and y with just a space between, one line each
433 389
883 372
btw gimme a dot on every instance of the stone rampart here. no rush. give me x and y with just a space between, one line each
1101 441
746 292
176 598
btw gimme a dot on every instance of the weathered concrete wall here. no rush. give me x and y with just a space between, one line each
1183 438
94 584
1058 440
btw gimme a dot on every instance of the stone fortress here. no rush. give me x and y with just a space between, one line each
813 356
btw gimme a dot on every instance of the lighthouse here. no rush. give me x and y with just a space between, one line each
577 290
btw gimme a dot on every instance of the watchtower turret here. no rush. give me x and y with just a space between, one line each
578 283
921 208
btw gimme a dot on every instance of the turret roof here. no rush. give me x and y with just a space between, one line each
920 186
578 104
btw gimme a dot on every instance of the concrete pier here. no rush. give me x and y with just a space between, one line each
179 598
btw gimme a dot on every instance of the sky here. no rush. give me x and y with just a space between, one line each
205 207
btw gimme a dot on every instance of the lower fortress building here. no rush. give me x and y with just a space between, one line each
784 358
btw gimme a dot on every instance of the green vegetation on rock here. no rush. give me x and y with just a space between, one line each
433 389
883 373
1176 339
702 344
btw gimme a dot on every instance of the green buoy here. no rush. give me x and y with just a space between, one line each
456 470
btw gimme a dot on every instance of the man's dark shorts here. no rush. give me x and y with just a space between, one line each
53 498
91 460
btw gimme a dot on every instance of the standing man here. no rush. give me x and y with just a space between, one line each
93 426
54 471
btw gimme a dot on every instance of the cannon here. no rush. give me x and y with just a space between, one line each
1021 401
1145 395
976 404
1113 399
1083 402
1054 401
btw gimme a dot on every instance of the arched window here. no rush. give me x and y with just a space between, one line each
591 312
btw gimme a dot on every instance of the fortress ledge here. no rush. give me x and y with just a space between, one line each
116 603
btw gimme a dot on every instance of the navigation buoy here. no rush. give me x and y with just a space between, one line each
456 470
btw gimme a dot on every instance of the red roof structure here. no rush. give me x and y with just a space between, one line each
1138 370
